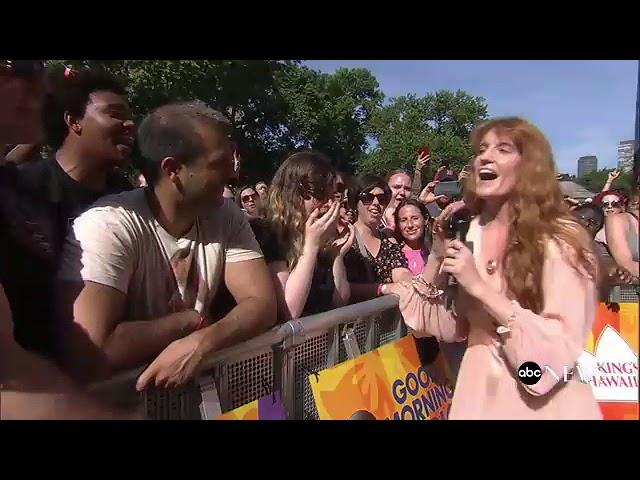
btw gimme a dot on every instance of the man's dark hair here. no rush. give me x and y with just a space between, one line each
238 194
170 131
71 94
598 214
363 184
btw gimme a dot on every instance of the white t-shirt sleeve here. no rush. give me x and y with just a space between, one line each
99 248
241 243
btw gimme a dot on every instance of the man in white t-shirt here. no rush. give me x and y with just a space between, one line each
140 269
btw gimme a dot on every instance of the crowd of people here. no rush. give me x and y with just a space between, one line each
102 273
611 218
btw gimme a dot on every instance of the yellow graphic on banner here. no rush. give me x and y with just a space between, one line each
629 324
388 383
245 412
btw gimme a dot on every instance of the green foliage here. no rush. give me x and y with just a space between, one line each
330 113
442 120
247 91
594 181
280 106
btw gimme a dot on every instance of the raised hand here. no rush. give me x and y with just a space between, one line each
459 262
318 228
427 196
613 175
345 242
422 160
440 228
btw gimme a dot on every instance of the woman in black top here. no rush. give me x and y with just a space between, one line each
372 261
299 237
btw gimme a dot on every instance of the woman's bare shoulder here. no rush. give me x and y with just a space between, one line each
618 221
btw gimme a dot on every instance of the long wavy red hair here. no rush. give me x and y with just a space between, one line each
538 213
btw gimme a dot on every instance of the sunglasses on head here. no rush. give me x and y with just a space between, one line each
614 204
23 68
367 198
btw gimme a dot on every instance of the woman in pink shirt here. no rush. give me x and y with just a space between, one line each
527 291
411 223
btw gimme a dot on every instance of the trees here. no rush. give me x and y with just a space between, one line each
442 120
247 91
331 112
594 181
275 106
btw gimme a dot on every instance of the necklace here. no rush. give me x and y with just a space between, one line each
492 266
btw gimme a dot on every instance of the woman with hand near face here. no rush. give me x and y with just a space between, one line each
527 292
300 244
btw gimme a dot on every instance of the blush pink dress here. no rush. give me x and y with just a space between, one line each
487 386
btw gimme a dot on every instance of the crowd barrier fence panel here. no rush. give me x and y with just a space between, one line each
283 359
624 294
318 343
280 359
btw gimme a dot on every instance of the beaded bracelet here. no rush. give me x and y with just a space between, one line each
502 329
432 289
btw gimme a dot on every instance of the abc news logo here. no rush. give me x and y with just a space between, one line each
529 373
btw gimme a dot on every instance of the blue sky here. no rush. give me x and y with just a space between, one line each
584 107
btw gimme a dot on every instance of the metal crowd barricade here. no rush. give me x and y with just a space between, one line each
281 359
624 294
317 343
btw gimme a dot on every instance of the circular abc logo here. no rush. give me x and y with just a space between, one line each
529 373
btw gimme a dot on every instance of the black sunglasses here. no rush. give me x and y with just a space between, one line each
367 198
246 198
23 68
614 204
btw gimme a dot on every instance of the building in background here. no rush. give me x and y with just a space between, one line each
626 149
586 165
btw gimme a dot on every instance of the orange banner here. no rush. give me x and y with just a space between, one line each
611 360
387 383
